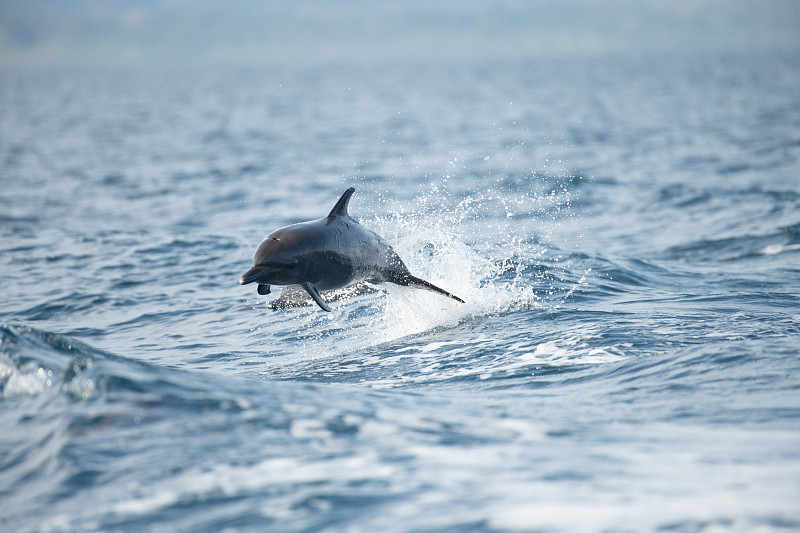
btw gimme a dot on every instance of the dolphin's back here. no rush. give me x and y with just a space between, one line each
367 255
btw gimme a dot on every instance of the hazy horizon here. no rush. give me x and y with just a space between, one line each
123 32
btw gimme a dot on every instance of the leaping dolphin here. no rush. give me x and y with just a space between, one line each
329 253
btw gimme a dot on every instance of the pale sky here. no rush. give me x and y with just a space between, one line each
127 32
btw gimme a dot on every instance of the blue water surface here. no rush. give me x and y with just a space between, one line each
625 232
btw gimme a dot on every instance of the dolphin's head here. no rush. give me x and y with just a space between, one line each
273 261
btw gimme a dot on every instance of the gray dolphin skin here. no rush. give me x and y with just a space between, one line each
329 253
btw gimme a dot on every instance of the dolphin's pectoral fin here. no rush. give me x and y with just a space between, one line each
310 289
340 209
263 289
414 281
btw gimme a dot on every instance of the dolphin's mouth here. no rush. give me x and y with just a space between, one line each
254 274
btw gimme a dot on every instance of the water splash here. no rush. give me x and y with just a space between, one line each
493 247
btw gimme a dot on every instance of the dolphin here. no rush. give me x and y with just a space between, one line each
329 253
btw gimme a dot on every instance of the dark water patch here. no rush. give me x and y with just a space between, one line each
792 233
21 250
682 195
8 220
721 250
64 305
606 277
733 168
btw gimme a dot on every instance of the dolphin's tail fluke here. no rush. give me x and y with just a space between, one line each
414 281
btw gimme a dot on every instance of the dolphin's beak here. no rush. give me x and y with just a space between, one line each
251 275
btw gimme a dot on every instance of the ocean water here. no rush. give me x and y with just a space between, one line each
625 231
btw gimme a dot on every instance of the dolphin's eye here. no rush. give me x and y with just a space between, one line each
274 239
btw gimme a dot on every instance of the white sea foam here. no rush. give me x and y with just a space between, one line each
773 249
25 381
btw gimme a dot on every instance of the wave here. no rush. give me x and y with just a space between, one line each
41 363
731 249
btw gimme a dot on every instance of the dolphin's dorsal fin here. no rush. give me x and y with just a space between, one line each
340 209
